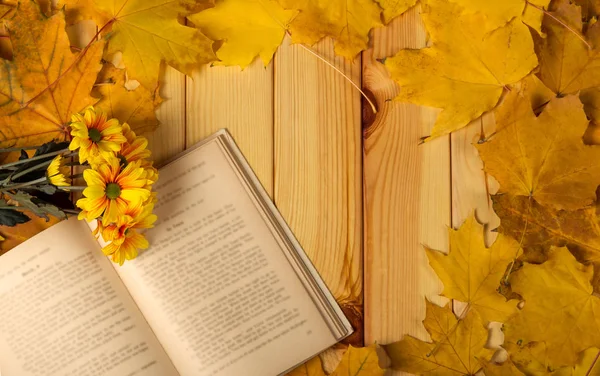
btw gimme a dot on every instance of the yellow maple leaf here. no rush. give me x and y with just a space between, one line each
498 13
361 361
348 22
539 227
465 71
472 273
532 359
560 308
311 368
394 8
567 64
457 347
248 28
147 32
45 83
589 8
558 169
134 107
507 368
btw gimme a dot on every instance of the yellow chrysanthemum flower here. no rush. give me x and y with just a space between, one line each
94 135
111 189
125 240
135 148
57 172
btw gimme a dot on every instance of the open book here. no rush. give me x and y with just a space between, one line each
224 289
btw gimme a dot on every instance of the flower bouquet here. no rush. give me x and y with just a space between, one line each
106 162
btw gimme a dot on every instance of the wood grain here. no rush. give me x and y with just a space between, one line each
241 101
318 186
169 139
407 195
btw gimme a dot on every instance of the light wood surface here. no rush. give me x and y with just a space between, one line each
358 189
407 195
318 165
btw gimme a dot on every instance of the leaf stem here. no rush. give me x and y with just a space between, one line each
34 158
549 14
373 107
8 150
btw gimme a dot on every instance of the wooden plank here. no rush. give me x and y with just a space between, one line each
318 166
407 195
241 101
169 138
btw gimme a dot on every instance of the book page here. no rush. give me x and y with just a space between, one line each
215 284
65 312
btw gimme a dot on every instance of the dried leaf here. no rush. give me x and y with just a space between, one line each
567 65
45 83
457 347
248 28
560 308
134 107
499 13
465 71
394 8
17 235
348 22
543 157
359 362
532 359
539 227
147 32
311 368
472 273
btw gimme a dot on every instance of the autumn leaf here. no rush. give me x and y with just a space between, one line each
348 22
13 236
134 107
147 32
465 71
507 368
499 13
589 8
532 359
471 273
311 368
457 347
45 83
394 8
248 28
359 362
540 227
567 64
558 169
560 308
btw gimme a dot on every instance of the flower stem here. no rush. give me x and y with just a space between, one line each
26 184
34 158
73 188
30 169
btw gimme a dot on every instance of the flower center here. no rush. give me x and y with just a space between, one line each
113 190
94 135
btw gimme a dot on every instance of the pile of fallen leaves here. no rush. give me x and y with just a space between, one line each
534 64
541 276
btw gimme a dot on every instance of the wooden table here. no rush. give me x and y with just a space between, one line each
361 194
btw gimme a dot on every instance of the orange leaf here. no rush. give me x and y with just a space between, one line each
45 83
